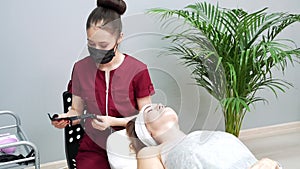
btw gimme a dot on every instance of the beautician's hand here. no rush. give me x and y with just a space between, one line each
61 123
265 163
102 122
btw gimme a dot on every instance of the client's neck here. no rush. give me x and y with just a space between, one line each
172 134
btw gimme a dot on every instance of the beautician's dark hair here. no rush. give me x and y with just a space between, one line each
108 11
136 143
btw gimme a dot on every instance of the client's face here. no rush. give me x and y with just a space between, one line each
159 119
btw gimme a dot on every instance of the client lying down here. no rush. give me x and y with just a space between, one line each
160 144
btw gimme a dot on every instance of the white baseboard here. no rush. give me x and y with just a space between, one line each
53 165
270 130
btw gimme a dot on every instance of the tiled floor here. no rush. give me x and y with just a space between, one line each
281 146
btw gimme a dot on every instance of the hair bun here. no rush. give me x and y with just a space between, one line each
117 5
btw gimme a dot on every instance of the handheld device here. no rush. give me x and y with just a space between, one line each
55 117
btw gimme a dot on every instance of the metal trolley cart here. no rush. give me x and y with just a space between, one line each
27 152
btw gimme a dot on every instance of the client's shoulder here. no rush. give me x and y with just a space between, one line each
149 158
149 152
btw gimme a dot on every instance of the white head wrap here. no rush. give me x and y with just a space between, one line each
141 130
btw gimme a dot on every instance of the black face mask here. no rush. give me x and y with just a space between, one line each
101 56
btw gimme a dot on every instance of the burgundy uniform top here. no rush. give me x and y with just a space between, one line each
128 82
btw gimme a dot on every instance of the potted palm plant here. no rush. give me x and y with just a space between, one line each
247 48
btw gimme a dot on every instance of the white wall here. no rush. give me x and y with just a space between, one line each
40 41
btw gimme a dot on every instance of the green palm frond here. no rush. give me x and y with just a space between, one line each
233 53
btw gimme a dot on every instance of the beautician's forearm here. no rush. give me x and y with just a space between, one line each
123 121
76 108
115 121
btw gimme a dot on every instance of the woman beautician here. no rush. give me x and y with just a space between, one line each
108 83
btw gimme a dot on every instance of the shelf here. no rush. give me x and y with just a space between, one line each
23 145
